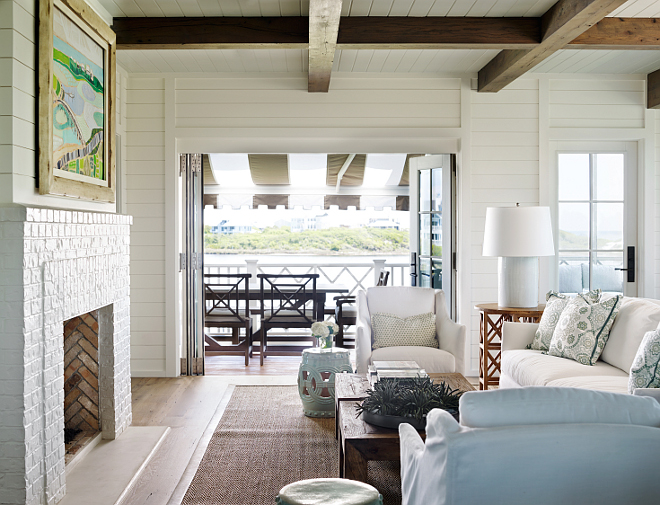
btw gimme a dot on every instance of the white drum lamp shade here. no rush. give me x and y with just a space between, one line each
518 236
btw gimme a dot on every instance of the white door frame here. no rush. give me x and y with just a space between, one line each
183 140
633 197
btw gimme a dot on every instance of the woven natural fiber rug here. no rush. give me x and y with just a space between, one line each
263 442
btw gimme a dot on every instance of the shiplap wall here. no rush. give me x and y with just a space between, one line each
283 102
505 170
237 111
18 140
17 95
656 273
597 104
145 201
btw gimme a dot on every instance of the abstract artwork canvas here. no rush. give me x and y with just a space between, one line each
76 102
78 105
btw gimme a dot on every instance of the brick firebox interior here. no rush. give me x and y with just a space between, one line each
81 382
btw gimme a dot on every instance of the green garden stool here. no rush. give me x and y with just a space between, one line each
316 379
329 492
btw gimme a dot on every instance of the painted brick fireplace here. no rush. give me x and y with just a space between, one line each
55 266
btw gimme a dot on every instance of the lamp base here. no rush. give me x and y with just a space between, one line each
518 282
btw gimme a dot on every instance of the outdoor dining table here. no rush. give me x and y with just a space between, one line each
321 291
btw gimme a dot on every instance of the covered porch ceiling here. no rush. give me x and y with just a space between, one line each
499 40
307 180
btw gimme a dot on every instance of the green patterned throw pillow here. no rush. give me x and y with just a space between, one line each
645 370
390 330
584 327
555 304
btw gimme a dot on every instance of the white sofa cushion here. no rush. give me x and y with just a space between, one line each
431 360
603 464
555 304
611 383
533 368
391 331
553 405
636 317
584 327
645 370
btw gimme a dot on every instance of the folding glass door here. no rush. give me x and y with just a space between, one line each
432 225
191 264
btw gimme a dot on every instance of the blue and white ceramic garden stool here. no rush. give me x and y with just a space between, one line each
316 379
329 492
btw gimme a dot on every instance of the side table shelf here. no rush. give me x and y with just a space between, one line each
491 319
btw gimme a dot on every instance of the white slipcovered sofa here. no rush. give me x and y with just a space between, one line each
526 367
536 445
406 301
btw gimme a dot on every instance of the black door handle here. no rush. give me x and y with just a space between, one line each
630 266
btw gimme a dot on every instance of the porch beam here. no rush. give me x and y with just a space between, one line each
324 16
375 32
561 24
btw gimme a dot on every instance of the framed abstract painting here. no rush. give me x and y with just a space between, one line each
77 70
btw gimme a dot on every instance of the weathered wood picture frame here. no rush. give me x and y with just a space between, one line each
77 73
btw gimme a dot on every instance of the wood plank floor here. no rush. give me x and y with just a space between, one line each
186 404
235 365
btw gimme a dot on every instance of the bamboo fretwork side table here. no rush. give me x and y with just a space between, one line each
492 318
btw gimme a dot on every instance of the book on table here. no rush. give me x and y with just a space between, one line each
391 370
396 365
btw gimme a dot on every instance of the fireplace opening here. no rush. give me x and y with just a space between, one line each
82 421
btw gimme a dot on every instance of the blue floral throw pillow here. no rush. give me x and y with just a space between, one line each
584 327
645 370
555 304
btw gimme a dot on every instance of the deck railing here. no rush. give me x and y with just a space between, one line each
355 273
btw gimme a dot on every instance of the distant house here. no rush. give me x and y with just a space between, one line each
384 224
225 227
299 224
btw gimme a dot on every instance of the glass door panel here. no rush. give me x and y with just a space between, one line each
596 222
433 219
425 272
425 234
425 191
436 190
436 273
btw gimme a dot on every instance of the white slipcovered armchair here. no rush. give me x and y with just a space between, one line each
535 445
404 301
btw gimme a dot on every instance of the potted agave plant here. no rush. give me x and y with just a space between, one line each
395 401
324 331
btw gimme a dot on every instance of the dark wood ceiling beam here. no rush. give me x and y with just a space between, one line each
620 33
324 16
653 90
212 33
437 33
375 33
565 21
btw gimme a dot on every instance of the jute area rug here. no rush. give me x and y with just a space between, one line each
263 442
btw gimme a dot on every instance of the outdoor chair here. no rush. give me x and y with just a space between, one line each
405 302
226 305
287 301
346 311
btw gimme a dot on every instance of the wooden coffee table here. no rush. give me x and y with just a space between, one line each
360 442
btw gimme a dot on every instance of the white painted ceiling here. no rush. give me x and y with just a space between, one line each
476 8
396 61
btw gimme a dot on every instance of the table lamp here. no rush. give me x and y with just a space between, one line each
518 236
